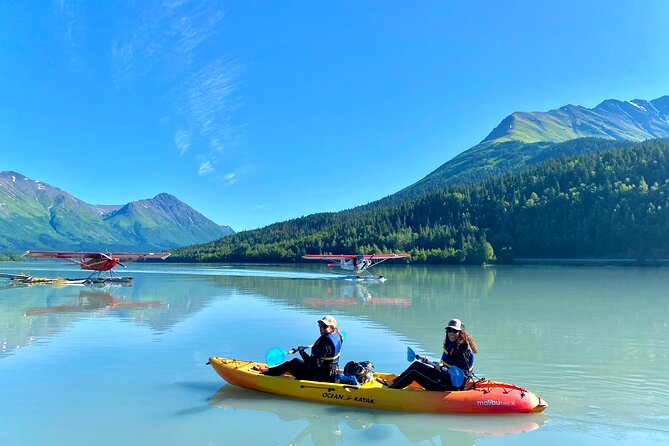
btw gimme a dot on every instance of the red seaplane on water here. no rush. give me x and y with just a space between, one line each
358 263
99 262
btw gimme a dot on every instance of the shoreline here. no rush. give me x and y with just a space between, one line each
517 261
590 262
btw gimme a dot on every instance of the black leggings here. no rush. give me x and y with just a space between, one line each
426 376
300 370
295 367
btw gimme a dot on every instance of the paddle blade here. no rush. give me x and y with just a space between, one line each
411 355
275 356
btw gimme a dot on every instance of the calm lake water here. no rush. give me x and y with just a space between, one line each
124 365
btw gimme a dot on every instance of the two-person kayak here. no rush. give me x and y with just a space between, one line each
479 397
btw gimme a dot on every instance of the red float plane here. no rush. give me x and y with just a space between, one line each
358 263
98 262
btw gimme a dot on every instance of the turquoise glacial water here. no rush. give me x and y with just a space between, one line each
125 365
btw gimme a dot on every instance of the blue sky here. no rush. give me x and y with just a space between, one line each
254 112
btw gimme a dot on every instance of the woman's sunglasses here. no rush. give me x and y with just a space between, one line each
451 330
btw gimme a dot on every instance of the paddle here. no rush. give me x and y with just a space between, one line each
455 372
276 355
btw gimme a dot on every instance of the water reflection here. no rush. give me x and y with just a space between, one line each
47 310
554 330
501 303
591 341
345 294
328 425
95 302
495 303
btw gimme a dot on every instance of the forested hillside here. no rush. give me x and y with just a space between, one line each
608 205
490 159
523 139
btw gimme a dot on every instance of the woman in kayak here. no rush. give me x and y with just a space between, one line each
321 365
458 351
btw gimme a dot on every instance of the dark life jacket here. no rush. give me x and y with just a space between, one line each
459 355
324 357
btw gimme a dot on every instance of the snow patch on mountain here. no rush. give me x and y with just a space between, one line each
637 106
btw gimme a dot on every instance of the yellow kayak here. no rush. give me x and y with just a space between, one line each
480 397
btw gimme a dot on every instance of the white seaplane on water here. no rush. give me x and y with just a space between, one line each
358 263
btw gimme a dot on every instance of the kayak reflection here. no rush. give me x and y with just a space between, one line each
326 425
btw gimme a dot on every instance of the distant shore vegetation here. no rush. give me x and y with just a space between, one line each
10 257
609 205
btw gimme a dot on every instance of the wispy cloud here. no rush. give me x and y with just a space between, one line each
192 28
206 101
230 178
167 44
205 168
182 140
204 105
67 11
165 35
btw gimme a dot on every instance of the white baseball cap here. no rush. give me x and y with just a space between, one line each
329 321
455 324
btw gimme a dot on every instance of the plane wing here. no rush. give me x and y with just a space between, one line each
386 256
139 255
96 255
62 255
353 256
329 256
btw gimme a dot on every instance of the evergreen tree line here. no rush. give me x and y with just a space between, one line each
612 204
10 257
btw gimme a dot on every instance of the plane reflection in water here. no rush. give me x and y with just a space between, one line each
355 294
94 301
327 425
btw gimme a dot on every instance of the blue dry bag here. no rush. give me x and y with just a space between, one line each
457 376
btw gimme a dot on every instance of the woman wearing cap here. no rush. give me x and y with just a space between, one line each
458 350
321 365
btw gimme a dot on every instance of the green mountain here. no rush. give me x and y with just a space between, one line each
487 160
568 182
524 139
636 120
164 221
35 215
612 204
